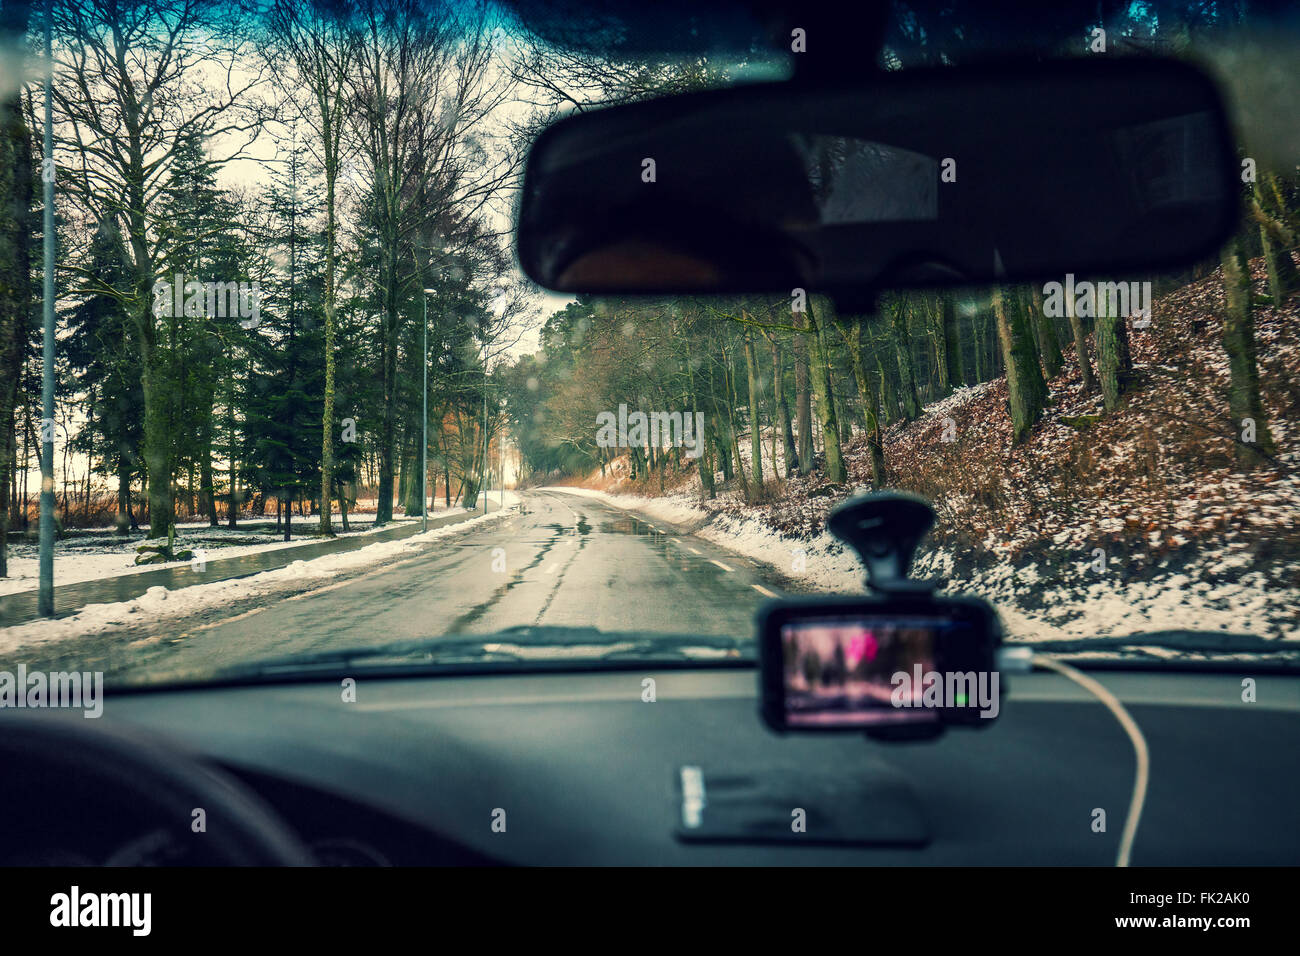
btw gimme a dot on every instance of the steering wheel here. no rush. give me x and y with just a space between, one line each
56 757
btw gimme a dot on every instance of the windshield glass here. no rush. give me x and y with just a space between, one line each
303 407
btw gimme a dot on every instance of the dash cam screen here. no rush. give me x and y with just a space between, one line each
842 672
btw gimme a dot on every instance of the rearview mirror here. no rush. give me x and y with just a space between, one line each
950 176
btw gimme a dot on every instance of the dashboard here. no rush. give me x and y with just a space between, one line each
581 769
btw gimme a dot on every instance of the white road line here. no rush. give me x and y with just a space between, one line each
228 620
693 550
720 564
762 590
675 540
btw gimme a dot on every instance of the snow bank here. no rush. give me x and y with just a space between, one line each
84 558
160 603
1031 610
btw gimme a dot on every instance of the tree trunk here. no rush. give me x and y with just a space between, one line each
911 402
1026 390
1081 348
871 407
388 427
1244 402
207 493
952 342
783 410
888 392
755 435
708 462
331 323
819 368
802 400
1049 345
1282 276
125 520
1114 361
16 182
1277 240
156 387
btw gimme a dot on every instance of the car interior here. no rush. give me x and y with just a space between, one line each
1168 748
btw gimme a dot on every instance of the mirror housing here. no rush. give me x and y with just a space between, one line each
946 176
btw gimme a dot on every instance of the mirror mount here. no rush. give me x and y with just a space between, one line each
885 528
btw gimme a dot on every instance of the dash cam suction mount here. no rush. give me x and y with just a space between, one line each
885 528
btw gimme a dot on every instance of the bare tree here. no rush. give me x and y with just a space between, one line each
320 41
425 85
134 81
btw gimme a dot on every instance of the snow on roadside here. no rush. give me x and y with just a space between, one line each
1030 612
85 559
159 603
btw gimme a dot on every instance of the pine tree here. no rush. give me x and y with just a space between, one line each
99 348
284 405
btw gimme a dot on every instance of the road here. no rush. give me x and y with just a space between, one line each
563 561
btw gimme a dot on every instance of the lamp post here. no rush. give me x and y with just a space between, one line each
424 413
485 431
45 566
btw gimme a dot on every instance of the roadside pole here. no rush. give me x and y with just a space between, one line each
424 412
485 432
45 595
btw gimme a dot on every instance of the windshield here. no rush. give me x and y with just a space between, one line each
291 403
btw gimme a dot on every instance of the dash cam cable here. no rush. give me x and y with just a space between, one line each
1134 732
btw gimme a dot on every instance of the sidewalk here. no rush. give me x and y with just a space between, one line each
20 608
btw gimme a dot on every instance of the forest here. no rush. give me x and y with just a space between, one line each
347 162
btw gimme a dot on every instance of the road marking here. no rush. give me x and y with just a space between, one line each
693 550
675 540
720 564
228 620
762 590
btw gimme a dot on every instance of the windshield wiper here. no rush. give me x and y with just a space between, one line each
517 644
1200 642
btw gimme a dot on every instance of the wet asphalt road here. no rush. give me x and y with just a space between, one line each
20 608
563 561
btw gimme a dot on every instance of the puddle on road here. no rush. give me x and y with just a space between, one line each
627 524
558 533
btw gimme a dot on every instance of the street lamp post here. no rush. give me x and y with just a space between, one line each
424 413
485 431
424 416
45 565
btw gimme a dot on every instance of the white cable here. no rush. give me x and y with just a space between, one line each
1134 734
